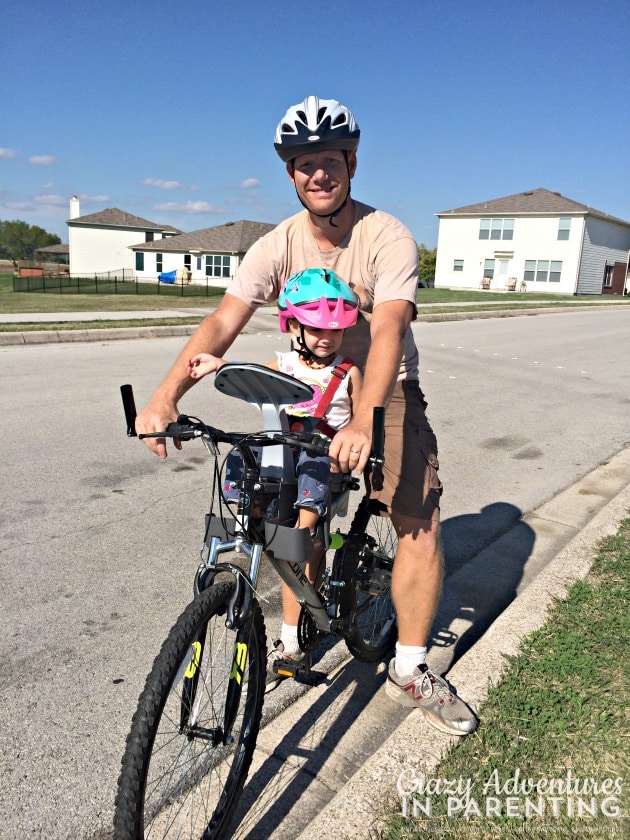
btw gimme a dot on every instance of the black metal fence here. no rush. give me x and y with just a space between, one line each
112 283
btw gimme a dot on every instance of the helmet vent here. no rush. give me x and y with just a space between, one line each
302 116
320 114
340 119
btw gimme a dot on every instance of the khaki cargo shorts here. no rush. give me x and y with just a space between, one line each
409 482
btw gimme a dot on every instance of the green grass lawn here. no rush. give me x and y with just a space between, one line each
169 298
561 706
429 300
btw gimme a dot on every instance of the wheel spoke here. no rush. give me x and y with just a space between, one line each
189 781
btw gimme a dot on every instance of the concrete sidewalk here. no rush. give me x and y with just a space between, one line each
264 318
54 317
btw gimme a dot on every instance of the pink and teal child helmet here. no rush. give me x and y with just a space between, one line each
317 298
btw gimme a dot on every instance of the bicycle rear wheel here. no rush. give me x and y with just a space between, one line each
194 732
366 602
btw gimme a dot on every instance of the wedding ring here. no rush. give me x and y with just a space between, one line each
355 451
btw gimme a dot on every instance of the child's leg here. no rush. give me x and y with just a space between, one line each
313 475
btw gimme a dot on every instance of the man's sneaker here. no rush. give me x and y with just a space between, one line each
431 694
295 662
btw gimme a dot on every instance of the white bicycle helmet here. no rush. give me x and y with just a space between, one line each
316 124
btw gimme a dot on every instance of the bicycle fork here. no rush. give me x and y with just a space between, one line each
239 618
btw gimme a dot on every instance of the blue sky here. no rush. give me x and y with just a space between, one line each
167 110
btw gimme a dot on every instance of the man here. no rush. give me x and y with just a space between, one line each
377 256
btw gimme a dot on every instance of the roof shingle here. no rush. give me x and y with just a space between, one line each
532 202
113 217
230 238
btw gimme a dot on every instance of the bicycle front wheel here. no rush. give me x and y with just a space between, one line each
193 735
367 594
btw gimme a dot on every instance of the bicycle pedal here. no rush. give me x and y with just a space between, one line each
295 670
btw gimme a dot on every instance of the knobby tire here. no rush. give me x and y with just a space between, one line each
181 784
368 558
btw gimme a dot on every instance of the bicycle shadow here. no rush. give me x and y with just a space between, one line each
484 559
302 763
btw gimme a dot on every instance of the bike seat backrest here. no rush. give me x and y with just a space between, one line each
272 393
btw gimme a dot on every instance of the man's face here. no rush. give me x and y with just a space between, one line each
322 179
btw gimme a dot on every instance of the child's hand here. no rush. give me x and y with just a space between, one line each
203 364
198 366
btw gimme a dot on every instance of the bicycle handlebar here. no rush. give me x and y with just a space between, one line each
129 405
188 428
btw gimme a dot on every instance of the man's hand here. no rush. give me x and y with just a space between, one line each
155 417
350 449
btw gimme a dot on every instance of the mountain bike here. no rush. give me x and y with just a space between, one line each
194 732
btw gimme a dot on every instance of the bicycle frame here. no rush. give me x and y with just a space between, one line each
287 548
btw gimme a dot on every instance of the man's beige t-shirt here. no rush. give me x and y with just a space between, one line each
378 260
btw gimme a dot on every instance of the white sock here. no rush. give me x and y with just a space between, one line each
289 638
408 657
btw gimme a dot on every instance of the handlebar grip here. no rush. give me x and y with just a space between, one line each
378 436
129 404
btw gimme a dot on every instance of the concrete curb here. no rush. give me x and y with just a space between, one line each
259 321
355 813
106 334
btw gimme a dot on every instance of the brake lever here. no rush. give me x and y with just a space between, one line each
184 431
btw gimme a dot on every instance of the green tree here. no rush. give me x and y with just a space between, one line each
19 241
426 264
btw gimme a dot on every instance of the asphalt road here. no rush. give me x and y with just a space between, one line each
100 539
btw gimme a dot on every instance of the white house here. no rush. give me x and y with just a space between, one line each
538 240
100 242
211 255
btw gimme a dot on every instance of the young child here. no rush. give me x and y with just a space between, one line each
315 307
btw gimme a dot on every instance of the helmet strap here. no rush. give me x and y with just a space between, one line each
303 351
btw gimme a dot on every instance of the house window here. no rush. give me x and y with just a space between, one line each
542 271
217 266
198 263
508 229
458 265
187 261
139 261
158 262
149 236
488 268
496 229
564 227
555 270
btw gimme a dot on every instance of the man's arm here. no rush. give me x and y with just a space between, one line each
214 335
389 323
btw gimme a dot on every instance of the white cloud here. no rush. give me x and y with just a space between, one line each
18 205
161 184
249 183
7 154
51 200
42 160
189 207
